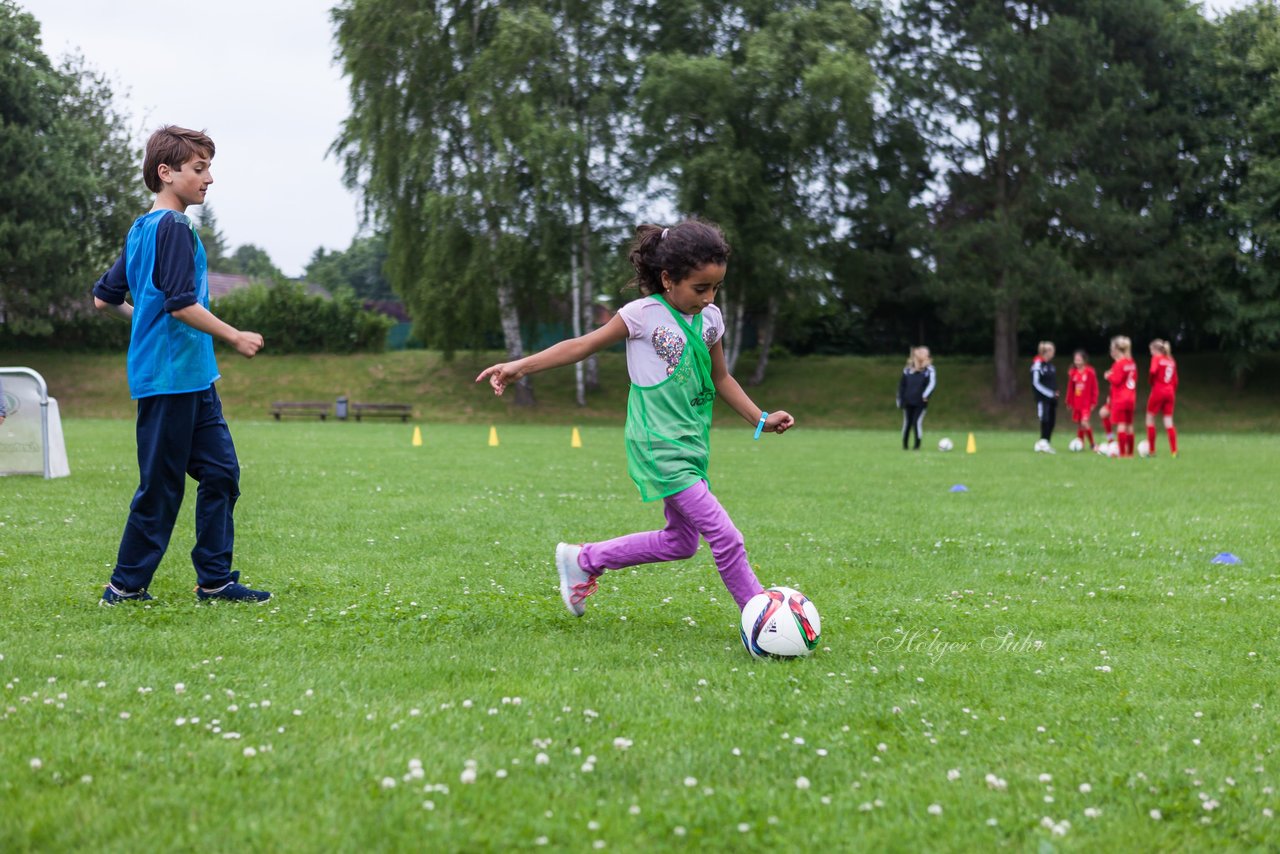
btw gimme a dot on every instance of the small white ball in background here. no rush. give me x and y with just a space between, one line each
1075 446
1144 448
945 444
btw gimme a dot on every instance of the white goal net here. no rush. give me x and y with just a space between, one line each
31 435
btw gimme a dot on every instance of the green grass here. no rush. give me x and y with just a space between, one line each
416 617
826 391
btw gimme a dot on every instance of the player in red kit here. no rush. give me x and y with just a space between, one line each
1082 395
1164 387
1123 377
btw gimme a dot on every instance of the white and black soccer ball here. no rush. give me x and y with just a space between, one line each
1113 449
1041 446
944 444
780 623
1144 448
1075 446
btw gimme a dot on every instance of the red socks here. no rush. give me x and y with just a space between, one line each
1173 440
1089 433
1151 438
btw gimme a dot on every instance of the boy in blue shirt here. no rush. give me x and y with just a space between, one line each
172 373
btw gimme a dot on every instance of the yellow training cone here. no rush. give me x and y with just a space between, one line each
417 437
576 441
972 447
493 437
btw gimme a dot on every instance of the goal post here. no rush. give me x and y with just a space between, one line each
31 436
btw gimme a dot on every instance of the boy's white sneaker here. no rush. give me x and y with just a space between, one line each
576 584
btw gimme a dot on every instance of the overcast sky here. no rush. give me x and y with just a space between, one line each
259 76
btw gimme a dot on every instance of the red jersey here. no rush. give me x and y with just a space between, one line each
1164 375
1123 377
1082 388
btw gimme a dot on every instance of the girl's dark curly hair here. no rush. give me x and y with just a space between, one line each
677 250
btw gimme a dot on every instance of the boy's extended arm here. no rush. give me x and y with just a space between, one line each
124 309
567 352
196 316
739 401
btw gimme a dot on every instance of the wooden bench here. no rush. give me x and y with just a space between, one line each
387 410
310 407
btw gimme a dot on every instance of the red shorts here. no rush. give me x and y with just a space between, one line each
1079 415
1160 404
1122 412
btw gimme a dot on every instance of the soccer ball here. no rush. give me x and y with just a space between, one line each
1144 448
1075 445
945 445
780 623
1042 445
1113 449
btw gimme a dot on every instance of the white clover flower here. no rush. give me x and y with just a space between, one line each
935 809
1155 815
802 783
468 775
388 782
953 775
691 781
542 759
1092 812
36 764
250 752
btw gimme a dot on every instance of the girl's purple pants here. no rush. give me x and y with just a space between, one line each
690 513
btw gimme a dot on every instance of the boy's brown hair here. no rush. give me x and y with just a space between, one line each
173 146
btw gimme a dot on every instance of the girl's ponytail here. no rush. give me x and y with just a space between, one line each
644 247
677 251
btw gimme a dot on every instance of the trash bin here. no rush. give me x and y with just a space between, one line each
340 409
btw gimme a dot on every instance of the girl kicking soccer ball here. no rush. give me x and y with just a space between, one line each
677 367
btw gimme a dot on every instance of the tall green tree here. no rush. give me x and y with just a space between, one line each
69 186
756 112
253 261
1239 221
360 267
1059 124
444 140
217 253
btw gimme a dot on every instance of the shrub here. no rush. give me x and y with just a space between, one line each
293 321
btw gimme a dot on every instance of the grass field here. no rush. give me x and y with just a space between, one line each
829 391
1049 661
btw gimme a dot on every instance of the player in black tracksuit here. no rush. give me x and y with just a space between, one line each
914 389
1044 381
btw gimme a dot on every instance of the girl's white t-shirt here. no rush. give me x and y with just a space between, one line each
655 342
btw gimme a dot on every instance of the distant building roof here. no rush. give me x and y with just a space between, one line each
221 284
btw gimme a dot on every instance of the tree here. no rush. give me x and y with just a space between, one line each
1058 123
361 267
211 237
253 261
756 112
1238 226
68 183
443 142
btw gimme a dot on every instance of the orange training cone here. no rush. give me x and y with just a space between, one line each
576 440
417 437
972 446
493 437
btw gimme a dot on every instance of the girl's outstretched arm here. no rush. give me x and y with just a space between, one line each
731 393
557 355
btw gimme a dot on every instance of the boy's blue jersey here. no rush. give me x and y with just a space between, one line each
165 268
